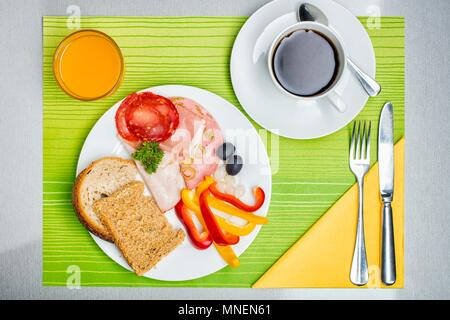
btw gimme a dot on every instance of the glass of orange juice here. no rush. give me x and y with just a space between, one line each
88 65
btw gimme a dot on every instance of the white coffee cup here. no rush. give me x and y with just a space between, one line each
330 93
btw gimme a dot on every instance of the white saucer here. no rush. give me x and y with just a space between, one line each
265 103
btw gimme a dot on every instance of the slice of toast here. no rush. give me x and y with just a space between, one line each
138 227
100 179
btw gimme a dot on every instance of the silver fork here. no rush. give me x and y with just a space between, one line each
359 164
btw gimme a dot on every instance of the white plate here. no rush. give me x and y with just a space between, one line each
186 262
277 112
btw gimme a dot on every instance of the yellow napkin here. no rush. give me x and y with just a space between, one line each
322 257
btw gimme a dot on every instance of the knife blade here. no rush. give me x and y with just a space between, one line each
386 151
386 174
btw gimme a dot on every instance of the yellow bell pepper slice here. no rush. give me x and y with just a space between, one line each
188 200
226 252
225 207
235 229
202 186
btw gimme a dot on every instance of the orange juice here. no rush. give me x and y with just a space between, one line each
88 65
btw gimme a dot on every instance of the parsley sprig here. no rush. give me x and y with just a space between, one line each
150 155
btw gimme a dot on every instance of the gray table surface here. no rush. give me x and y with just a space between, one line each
427 216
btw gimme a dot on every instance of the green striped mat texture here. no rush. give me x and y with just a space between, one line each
194 51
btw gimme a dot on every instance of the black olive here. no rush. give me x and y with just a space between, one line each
234 165
225 151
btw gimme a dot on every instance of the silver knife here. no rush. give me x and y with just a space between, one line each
386 171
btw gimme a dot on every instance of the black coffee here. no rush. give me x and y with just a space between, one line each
305 63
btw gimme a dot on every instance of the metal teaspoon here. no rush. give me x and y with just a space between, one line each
309 12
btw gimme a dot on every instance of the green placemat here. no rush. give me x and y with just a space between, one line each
195 51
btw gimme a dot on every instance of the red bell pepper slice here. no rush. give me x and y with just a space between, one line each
259 198
219 236
200 240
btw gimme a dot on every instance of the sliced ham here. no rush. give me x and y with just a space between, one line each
195 141
166 183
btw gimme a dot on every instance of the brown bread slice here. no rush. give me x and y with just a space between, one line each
138 227
100 179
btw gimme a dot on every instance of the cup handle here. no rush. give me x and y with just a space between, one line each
336 101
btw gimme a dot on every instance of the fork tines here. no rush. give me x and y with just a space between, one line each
360 137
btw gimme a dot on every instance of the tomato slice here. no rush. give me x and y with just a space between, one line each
151 117
121 123
146 116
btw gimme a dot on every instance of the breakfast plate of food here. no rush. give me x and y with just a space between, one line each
173 183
